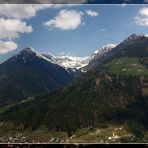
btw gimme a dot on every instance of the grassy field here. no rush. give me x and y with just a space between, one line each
101 135
127 66
111 134
7 128
42 134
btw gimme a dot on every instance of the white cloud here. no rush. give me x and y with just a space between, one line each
10 28
66 20
142 17
7 46
26 11
20 11
92 13
142 21
144 11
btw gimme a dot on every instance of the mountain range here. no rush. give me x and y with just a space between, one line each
30 73
113 92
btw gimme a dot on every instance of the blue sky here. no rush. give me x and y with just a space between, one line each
103 24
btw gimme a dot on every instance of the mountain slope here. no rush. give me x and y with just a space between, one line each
102 96
28 74
93 101
98 56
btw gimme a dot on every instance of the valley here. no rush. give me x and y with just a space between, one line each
110 134
104 100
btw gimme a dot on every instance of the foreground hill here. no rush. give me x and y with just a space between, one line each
114 92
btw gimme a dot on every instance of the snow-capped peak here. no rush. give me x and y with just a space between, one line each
109 46
49 57
69 62
136 36
132 39
72 62
28 49
143 34
103 50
